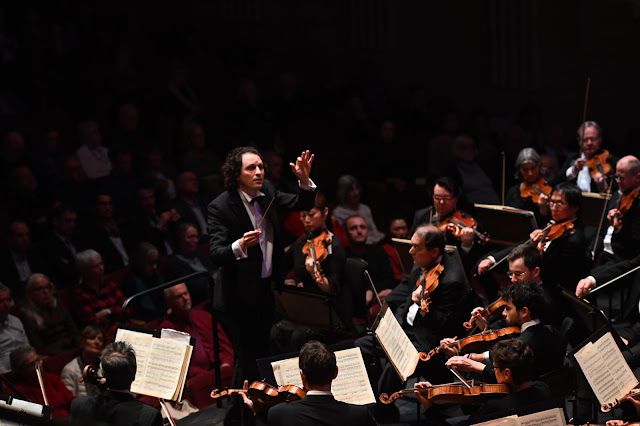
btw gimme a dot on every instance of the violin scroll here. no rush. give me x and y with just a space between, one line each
90 375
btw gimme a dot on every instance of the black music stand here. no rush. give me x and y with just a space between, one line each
592 207
505 225
309 308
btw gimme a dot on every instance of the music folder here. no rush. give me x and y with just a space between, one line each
309 308
505 225
592 207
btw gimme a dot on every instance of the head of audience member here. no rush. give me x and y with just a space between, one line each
194 136
146 199
90 267
154 158
64 220
23 361
348 191
89 134
464 149
40 292
357 231
122 160
119 365
317 217
178 300
548 166
589 138
23 181
513 362
13 147
274 165
91 343
398 227
144 260
187 185
19 237
427 245
628 173
528 165
128 118
446 193
525 262
102 206
243 169
186 238
565 202
318 366
387 131
51 141
524 302
5 303
72 170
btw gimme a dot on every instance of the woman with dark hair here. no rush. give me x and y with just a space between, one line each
143 276
90 346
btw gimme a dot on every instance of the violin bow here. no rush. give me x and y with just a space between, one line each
265 214
40 382
593 290
163 405
602 215
373 287
504 166
459 377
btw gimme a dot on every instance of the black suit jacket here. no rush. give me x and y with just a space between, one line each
9 275
449 308
96 237
318 410
546 345
187 215
626 240
60 261
228 220
113 408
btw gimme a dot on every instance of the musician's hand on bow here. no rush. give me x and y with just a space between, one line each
424 401
302 167
481 322
449 346
249 239
598 178
248 402
484 265
309 264
633 399
584 287
613 213
467 236
536 235
416 295
578 165
465 363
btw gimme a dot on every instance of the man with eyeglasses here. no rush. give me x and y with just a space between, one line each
577 168
446 195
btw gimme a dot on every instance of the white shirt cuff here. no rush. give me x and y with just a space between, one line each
237 250
592 280
311 187
491 258
569 173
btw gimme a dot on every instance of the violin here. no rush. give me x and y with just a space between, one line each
91 376
451 393
475 343
534 190
605 408
490 310
263 394
456 223
600 163
317 249
556 231
625 204
431 281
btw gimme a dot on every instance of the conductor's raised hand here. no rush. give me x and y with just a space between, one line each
302 167
249 239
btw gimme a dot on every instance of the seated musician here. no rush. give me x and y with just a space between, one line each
317 369
513 364
446 195
323 274
532 193
591 167
116 406
561 245
523 304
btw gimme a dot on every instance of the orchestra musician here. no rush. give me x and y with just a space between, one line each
532 193
317 370
592 166
512 364
561 245
523 304
249 252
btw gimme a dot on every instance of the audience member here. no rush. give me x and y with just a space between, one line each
12 332
348 196
19 259
60 247
93 157
143 275
188 203
90 347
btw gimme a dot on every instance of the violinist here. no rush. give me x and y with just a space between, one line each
444 212
512 364
561 243
318 368
532 193
116 406
592 166
523 304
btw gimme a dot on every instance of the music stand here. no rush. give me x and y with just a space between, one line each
309 308
505 225
592 207
402 247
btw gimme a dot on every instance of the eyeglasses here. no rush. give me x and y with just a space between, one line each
591 139
621 177
438 198
495 367
516 274
557 203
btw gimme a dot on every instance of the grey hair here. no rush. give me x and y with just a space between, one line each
345 182
16 356
83 258
583 127
527 155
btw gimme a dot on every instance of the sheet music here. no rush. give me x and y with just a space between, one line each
606 370
398 347
351 385
504 421
141 343
552 417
